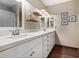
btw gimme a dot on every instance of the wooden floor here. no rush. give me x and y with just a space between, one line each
64 52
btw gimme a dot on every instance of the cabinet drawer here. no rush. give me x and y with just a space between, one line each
49 42
36 52
20 49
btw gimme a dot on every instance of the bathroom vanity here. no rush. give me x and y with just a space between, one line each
29 45
35 44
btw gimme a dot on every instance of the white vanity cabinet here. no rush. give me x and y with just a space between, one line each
29 49
45 47
51 39
35 47
49 42
36 52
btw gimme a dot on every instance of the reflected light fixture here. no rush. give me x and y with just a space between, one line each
19 0
54 2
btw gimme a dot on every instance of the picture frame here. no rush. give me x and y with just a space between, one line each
64 22
64 15
72 18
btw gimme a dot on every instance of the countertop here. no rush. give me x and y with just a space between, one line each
7 42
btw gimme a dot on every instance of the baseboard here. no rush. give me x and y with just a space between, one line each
66 46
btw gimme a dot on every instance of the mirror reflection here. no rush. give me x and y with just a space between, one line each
10 13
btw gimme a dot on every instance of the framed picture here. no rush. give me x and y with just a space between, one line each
72 18
64 15
64 22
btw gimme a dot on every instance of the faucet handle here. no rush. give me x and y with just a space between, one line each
12 32
17 31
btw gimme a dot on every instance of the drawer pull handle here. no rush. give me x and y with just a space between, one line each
32 53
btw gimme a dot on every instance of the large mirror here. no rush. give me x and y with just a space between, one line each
10 13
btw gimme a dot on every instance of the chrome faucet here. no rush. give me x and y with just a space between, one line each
16 32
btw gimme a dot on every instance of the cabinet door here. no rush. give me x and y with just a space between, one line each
46 48
49 42
36 52
51 37
19 50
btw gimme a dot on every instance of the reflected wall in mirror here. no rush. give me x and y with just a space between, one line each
10 13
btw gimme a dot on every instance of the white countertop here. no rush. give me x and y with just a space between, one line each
6 42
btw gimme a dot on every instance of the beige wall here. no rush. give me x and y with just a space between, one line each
78 18
66 35
67 6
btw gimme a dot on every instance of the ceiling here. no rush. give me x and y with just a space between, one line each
53 2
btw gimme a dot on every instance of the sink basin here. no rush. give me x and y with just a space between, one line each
16 36
19 36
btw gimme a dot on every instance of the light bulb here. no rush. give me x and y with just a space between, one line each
19 0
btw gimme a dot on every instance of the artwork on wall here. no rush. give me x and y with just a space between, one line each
65 19
64 15
72 18
64 22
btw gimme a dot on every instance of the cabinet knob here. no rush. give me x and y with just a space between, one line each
32 53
